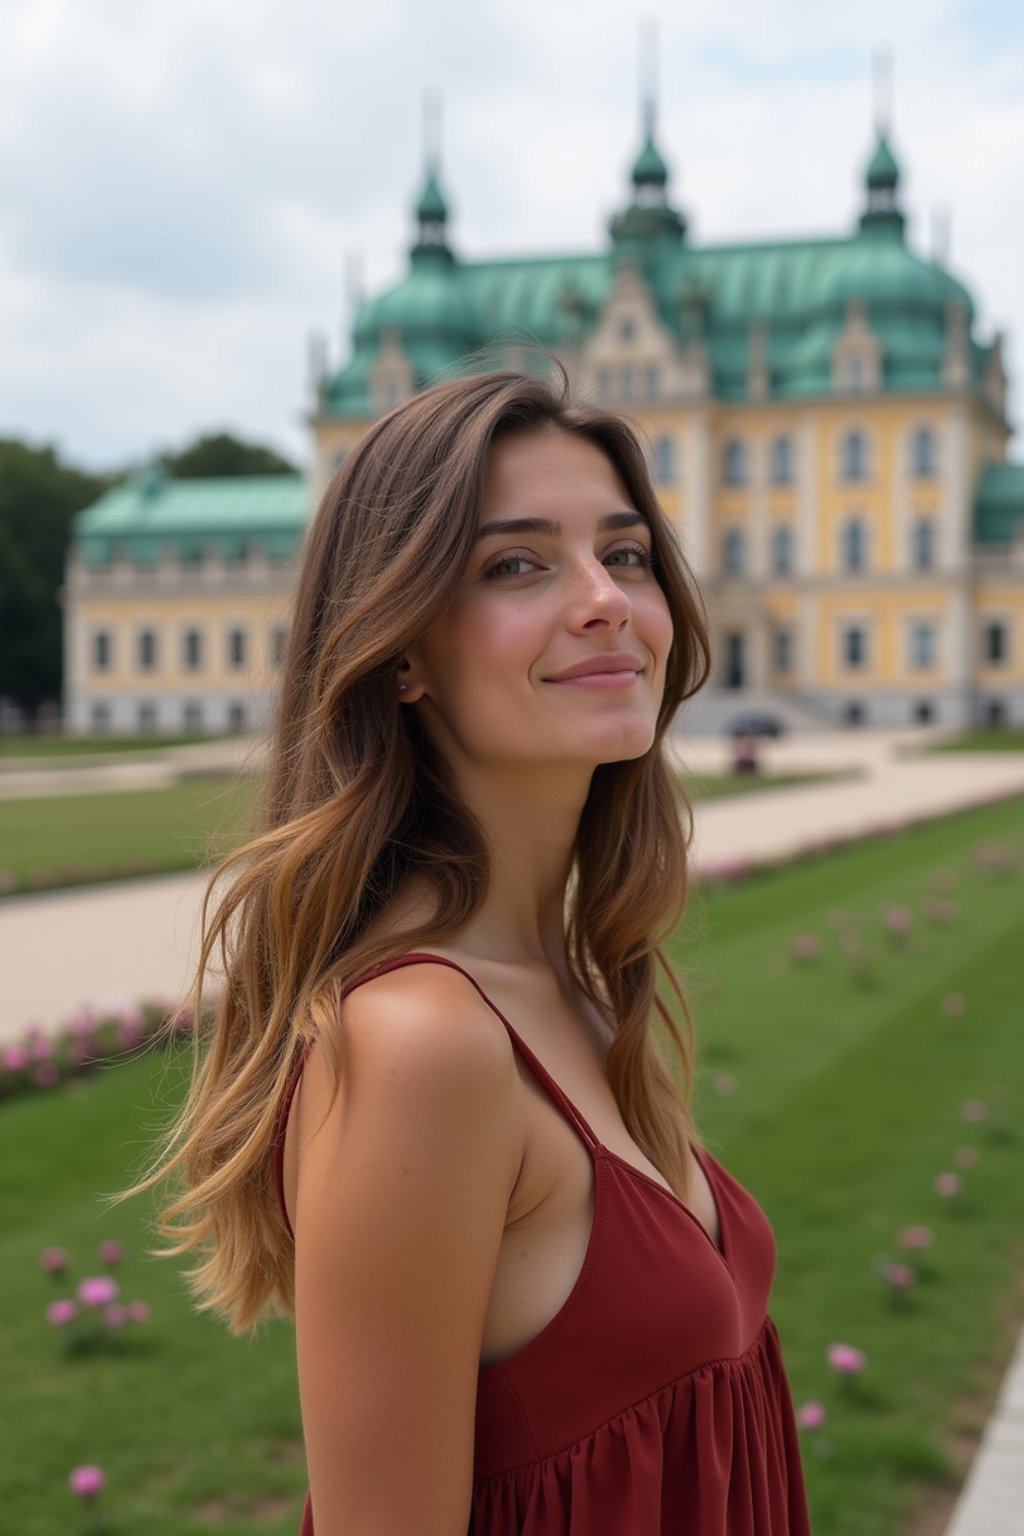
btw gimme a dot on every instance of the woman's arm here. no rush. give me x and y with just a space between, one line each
401 1203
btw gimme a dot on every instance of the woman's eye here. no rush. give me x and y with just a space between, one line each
632 555
500 569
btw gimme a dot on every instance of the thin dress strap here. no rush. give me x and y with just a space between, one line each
541 1072
418 957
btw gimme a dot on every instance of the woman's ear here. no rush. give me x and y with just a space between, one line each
410 686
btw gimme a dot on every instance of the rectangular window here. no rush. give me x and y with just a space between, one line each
278 645
147 650
922 645
101 651
783 650
854 646
193 651
995 647
236 648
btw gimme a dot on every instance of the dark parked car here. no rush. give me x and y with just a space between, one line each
755 724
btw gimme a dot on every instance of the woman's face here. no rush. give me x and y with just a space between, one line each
560 583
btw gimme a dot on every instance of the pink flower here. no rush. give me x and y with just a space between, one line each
899 920
61 1312
115 1315
899 1276
41 1048
806 946
948 1185
974 1110
111 1252
47 1075
83 1022
15 1058
916 1237
86 1482
965 1157
952 1005
138 1312
97 1291
811 1416
53 1260
725 1085
846 1359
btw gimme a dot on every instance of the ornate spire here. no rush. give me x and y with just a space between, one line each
649 216
431 208
882 214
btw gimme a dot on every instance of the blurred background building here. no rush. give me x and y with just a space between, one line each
827 430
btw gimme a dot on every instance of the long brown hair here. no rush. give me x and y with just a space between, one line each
356 800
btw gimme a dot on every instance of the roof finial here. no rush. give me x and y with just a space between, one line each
431 132
648 73
882 73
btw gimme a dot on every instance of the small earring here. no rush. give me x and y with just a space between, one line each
402 687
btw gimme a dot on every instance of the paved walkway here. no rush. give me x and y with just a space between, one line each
139 938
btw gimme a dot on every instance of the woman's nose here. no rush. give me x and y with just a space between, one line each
599 598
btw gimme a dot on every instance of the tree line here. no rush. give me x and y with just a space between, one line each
39 496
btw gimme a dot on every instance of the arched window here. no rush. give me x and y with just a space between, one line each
853 457
783 650
734 462
922 453
782 461
782 549
923 544
734 551
664 460
193 650
236 648
102 650
147 650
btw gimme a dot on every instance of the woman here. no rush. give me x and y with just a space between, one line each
433 1118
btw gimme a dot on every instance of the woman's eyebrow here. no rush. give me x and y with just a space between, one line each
551 530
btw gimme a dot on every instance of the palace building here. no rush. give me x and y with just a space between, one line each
827 431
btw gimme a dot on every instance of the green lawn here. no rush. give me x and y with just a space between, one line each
846 1100
80 838
984 741
14 746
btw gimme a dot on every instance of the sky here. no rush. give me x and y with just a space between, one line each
188 191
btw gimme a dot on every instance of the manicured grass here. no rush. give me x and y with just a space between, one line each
847 1102
984 741
80 839
147 830
715 786
59 747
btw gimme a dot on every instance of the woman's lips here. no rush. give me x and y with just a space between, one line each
615 682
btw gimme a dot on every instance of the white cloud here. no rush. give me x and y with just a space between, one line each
179 183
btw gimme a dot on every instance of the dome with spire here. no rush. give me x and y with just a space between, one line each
649 168
883 171
432 207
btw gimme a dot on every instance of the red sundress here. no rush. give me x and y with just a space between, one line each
655 1401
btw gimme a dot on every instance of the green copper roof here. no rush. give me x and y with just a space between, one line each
999 504
882 168
444 311
150 512
649 169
